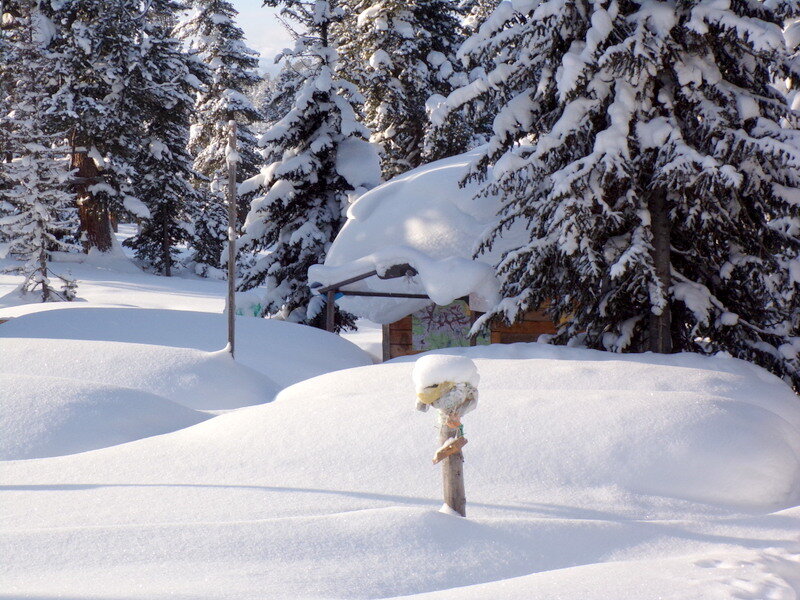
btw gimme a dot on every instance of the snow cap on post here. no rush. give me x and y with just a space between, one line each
437 368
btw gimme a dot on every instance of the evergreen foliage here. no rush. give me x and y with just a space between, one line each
211 32
305 181
399 53
163 91
37 211
656 170
96 56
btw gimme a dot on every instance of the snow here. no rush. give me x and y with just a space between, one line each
358 162
50 416
136 207
424 211
443 281
192 378
271 354
589 475
437 368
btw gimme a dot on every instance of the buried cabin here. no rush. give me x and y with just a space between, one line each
406 259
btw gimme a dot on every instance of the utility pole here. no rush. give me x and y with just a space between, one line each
231 158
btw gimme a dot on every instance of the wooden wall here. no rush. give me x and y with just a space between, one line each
532 325
398 340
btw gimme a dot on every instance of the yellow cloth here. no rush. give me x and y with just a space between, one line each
433 392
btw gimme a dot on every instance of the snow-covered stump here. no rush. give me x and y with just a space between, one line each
449 384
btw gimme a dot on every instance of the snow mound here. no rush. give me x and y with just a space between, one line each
284 352
49 416
426 211
195 379
583 465
437 368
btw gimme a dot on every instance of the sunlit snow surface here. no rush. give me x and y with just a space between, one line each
588 475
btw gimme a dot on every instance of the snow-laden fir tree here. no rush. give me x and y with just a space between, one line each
96 54
316 155
791 34
655 168
212 32
163 88
474 13
399 53
6 24
36 201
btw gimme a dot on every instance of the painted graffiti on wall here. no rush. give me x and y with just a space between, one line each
443 327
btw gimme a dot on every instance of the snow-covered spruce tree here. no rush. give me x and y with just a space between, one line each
37 203
399 53
495 43
163 88
316 155
790 87
6 81
656 170
474 13
211 31
96 52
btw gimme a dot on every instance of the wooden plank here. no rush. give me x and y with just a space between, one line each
386 352
513 338
401 337
403 324
532 327
455 445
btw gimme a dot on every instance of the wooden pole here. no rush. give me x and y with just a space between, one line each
232 239
330 311
453 474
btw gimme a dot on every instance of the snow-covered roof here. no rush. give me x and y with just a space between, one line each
423 216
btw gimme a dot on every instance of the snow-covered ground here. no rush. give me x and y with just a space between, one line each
588 475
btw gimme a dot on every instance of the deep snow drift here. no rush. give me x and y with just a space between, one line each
284 352
589 475
49 416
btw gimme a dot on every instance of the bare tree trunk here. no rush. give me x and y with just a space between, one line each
43 272
661 325
165 256
93 213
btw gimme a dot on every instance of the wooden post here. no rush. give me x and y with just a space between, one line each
330 311
453 474
232 239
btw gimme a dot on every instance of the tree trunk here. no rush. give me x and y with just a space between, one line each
93 213
165 256
661 324
43 273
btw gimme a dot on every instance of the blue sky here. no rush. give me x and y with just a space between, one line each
263 31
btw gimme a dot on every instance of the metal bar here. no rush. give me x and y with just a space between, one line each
383 294
336 286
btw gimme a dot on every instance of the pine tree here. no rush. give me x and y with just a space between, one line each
36 201
211 31
475 12
495 39
656 170
162 89
96 55
399 53
312 155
